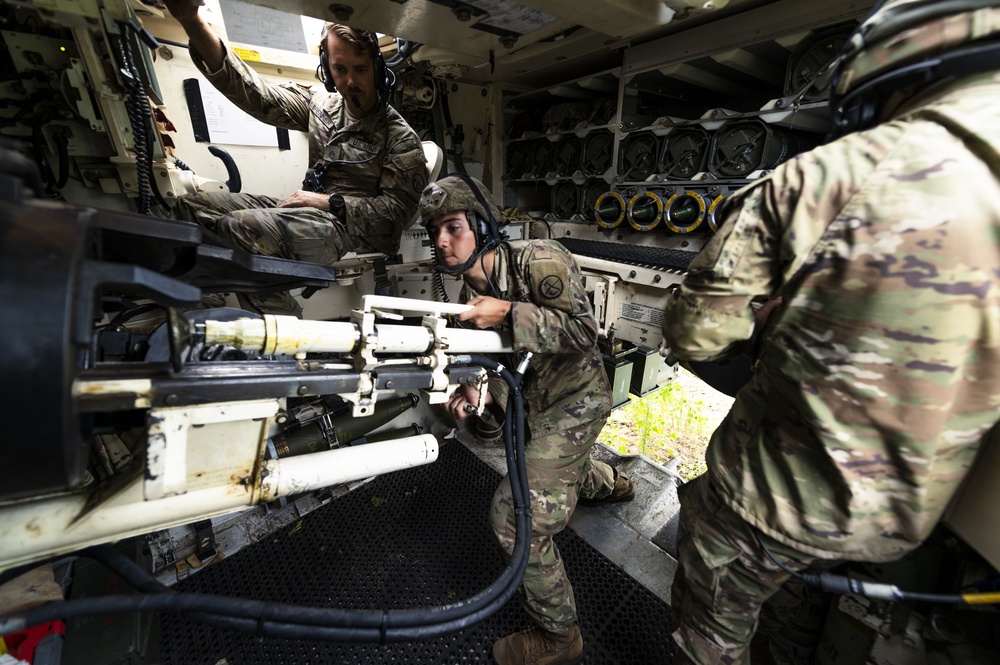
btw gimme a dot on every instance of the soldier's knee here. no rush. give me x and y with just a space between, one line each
234 228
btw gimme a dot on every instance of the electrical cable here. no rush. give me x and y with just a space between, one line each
438 290
841 584
127 315
134 105
294 622
437 116
489 280
404 49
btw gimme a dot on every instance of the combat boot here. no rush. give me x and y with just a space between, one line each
536 646
624 491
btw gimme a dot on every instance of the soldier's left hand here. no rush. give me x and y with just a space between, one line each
304 199
487 312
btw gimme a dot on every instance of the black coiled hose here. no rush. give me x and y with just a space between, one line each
270 619
138 115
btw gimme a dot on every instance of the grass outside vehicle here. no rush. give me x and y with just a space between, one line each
671 425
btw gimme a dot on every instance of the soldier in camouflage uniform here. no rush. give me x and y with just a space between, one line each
369 167
878 374
534 287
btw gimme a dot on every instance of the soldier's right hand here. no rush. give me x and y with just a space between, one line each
183 10
464 403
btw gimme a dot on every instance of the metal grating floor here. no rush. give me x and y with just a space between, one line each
413 538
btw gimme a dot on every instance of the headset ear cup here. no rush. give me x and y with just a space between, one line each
383 83
326 76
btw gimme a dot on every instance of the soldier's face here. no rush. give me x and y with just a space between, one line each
353 74
453 239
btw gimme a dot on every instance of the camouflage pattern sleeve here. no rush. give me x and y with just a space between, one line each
558 317
769 228
285 105
878 376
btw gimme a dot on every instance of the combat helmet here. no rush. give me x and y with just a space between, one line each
458 192
906 44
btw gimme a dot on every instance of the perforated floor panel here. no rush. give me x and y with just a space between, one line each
409 539
657 257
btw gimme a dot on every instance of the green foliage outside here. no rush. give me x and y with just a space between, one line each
664 425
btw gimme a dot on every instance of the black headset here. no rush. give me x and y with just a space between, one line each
385 78
487 230
488 233
859 108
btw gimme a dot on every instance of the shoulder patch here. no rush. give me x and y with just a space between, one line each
419 181
550 284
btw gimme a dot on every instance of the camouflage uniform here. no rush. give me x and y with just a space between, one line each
380 195
567 400
876 379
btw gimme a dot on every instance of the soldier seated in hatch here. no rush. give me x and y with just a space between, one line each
369 166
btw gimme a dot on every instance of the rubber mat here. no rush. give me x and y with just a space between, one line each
676 259
409 539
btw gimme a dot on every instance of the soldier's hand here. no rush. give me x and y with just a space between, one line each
304 199
464 402
762 314
182 10
486 312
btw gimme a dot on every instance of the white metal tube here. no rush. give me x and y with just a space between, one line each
286 335
414 340
303 473
461 340
34 530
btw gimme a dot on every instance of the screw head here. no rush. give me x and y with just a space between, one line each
341 12
463 14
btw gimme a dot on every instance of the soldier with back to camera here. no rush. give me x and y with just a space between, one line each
368 165
534 288
877 357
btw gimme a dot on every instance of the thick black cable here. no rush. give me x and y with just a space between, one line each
294 622
138 112
841 584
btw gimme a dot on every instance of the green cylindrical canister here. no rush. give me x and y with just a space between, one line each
399 433
325 433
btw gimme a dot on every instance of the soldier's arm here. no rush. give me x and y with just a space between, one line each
710 316
770 230
404 175
204 41
285 105
559 318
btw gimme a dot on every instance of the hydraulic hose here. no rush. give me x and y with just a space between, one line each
840 584
295 622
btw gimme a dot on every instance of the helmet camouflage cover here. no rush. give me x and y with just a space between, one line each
901 32
451 194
